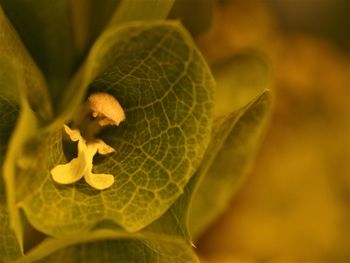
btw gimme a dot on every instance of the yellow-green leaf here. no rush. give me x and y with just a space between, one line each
167 97
235 139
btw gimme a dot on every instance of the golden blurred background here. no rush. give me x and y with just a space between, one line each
294 204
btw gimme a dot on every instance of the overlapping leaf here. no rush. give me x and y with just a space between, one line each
239 79
167 97
165 87
235 136
33 83
156 255
46 30
234 142
20 83
58 33
9 247
111 246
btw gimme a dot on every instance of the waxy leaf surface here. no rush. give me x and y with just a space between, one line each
166 90
235 139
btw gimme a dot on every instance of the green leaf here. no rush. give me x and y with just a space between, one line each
57 33
180 220
240 79
10 249
111 246
165 240
234 143
19 69
90 17
252 118
167 98
127 11
174 223
21 84
46 29
26 126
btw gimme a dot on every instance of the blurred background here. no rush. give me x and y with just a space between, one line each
294 203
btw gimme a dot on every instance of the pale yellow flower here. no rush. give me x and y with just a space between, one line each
107 111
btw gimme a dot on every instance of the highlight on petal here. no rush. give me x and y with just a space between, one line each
103 148
74 170
99 181
74 135
68 173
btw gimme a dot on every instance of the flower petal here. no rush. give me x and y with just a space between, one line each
74 170
70 172
99 181
74 135
103 148
82 165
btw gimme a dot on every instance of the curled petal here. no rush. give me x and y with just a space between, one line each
99 181
70 172
81 166
74 135
103 148
74 170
